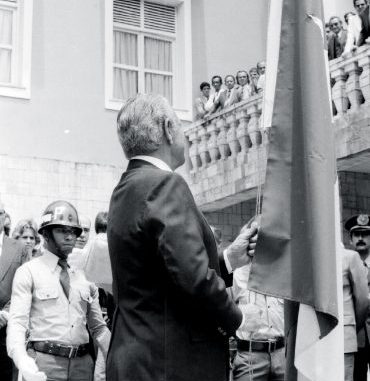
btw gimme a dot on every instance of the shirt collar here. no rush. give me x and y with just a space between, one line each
153 160
49 259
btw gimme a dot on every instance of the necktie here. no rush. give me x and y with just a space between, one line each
242 92
64 276
229 93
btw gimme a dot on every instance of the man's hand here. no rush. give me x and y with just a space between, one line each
241 251
3 318
30 371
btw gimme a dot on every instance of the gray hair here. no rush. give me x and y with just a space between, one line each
140 123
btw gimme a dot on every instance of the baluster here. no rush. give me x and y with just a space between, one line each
364 62
242 132
193 149
339 91
353 89
213 150
231 134
253 125
222 139
202 147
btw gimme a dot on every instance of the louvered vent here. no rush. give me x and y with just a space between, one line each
127 12
159 17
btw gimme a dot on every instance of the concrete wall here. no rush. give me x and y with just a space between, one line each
227 36
28 185
229 220
354 190
67 89
337 8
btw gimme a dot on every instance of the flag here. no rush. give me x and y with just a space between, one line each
296 250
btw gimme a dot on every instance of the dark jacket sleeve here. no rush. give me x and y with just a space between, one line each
173 219
364 34
228 278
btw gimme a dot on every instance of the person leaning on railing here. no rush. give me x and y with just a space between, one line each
203 104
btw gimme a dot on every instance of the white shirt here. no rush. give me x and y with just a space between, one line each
153 160
98 268
263 316
353 32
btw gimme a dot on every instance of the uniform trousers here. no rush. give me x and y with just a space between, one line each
349 361
59 368
263 365
362 362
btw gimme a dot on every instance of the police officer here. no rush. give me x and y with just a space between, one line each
52 303
358 227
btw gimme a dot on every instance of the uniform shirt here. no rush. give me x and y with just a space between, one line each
263 316
38 304
77 259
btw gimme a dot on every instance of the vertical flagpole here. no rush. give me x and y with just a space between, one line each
272 60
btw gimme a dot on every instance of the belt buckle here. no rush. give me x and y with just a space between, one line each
73 352
272 345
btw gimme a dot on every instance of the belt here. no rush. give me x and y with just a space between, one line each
58 349
261 346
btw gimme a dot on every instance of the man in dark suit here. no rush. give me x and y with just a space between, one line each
338 39
12 255
173 313
365 21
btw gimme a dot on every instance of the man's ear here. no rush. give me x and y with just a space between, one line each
168 130
46 235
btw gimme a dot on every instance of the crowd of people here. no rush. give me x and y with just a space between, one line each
344 38
235 89
179 292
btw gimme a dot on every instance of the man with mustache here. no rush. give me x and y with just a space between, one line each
52 305
359 229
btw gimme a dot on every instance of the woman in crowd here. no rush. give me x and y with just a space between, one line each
26 231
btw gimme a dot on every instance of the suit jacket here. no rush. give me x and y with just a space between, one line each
227 100
365 21
13 255
336 45
171 302
355 298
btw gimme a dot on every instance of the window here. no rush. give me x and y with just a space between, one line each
146 50
15 47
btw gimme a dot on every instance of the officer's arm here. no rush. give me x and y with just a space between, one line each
97 326
19 314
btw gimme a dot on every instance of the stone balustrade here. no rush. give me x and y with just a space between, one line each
350 80
226 152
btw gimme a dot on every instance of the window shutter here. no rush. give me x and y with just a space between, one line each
127 12
159 17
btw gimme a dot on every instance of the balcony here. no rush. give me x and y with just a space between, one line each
226 152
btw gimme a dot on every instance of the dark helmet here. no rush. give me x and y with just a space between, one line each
60 213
